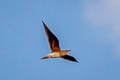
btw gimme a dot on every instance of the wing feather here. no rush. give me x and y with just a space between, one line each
53 41
67 57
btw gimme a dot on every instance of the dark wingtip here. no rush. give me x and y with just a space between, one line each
44 24
76 61
42 21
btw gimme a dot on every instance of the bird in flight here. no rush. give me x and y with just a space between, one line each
56 52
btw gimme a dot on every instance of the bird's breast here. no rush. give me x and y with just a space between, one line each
54 54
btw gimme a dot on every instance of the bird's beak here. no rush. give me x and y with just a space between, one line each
68 50
45 57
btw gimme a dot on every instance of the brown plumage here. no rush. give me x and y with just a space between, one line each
53 41
56 52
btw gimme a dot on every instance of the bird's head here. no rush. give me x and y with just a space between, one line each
68 50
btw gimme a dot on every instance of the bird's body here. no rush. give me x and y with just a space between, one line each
54 55
56 52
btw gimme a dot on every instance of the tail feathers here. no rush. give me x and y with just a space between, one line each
45 57
67 57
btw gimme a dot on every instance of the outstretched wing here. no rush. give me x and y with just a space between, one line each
67 57
53 41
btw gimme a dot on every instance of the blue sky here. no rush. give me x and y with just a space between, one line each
90 28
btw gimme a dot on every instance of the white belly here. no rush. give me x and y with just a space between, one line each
54 54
